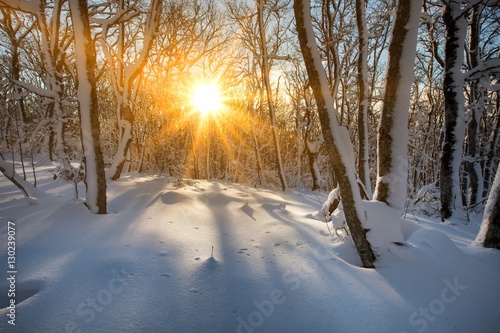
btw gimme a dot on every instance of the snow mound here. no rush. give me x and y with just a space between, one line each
434 240
173 197
218 199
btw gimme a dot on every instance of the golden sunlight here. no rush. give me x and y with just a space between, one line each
207 98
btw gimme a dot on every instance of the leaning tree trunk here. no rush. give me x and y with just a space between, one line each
392 147
454 101
8 170
95 178
489 234
343 168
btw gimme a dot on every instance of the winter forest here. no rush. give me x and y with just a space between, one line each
377 118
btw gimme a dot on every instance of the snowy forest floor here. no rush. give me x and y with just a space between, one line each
147 266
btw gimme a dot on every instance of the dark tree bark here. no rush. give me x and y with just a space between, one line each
454 122
344 172
392 143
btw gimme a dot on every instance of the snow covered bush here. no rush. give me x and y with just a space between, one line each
428 199
71 175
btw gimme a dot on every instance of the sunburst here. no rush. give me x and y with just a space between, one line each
207 99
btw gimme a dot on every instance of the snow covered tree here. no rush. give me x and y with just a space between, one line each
489 234
455 20
363 92
125 66
335 142
392 150
52 52
477 105
95 178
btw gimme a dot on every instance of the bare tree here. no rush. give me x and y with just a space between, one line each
335 142
269 94
125 67
262 31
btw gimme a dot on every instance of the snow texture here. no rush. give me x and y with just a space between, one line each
148 266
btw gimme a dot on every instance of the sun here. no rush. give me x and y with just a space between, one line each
207 98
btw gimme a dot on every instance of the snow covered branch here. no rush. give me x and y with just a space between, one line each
486 69
31 7
36 90
123 15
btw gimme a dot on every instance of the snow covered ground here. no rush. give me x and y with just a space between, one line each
148 265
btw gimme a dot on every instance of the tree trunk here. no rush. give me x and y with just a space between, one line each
95 178
392 147
351 198
126 125
258 158
454 101
490 155
489 234
312 157
312 148
9 171
473 167
269 94
363 92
